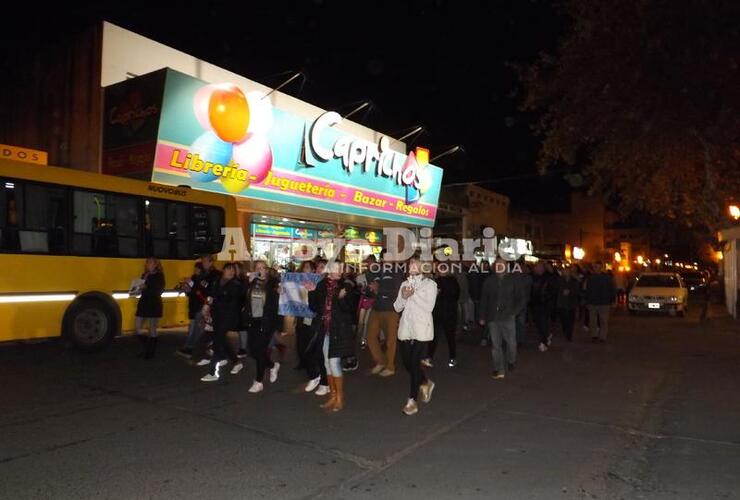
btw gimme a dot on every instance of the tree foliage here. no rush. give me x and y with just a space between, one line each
644 95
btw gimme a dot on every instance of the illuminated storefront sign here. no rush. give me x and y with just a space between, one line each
379 159
216 138
270 231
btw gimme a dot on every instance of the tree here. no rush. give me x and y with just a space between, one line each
645 96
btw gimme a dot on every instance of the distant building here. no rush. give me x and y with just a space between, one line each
465 209
527 226
581 226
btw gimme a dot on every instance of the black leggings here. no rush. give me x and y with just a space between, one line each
567 319
315 366
258 343
412 352
541 316
222 349
449 333
302 338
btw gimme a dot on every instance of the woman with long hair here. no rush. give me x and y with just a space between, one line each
149 306
225 310
415 302
334 302
261 307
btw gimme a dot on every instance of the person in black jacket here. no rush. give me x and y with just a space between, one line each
569 297
334 300
198 288
261 314
196 300
225 310
542 302
149 307
599 293
445 314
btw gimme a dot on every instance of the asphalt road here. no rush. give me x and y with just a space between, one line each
654 413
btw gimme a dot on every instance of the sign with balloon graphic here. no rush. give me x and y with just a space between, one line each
233 134
221 138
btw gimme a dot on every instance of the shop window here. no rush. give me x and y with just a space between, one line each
105 224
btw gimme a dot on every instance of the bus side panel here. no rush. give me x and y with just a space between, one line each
50 274
31 320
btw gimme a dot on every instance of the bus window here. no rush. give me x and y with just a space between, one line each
207 224
166 229
178 230
39 226
44 227
9 198
105 224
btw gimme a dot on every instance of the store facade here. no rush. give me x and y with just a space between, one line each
299 181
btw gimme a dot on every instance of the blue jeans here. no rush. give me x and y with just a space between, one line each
500 332
195 330
333 365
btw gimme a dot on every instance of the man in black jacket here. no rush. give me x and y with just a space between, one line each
502 298
600 293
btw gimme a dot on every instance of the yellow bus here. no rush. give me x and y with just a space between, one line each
72 242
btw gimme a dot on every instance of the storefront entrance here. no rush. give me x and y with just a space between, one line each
284 242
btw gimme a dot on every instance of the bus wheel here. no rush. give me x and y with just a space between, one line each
90 324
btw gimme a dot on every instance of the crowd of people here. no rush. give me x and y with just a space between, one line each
387 307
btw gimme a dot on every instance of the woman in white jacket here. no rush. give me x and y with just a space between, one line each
415 302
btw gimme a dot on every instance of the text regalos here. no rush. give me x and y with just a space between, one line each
194 163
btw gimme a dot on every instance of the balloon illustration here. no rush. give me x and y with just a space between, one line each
200 105
260 113
228 112
425 179
234 185
254 154
209 148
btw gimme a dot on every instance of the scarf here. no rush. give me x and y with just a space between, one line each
331 288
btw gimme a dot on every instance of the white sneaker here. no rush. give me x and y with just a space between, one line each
426 391
312 384
209 377
323 390
274 372
223 362
411 407
542 347
203 362
237 368
256 387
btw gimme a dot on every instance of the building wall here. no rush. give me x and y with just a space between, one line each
127 54
582 226
53 101
482 208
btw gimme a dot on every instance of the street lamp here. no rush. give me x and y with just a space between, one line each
734 212
578 253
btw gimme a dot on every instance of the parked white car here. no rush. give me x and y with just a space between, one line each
659 292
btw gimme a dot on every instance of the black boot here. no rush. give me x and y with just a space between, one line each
151 348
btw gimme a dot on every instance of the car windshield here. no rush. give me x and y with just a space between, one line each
657 280
692 276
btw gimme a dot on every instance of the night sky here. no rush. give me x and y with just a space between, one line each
444 64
